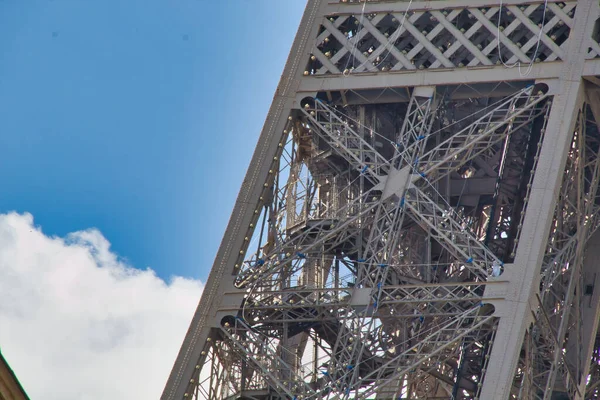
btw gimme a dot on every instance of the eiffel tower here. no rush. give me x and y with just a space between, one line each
419 219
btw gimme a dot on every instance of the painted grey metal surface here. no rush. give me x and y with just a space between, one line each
416 219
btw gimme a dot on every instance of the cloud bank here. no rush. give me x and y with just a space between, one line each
76 322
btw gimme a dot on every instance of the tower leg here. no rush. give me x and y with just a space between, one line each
590 310
521 300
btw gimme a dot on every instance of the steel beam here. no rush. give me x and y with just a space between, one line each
221 274
453 76
536 226
364 258
590 314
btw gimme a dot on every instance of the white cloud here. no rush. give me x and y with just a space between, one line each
78 323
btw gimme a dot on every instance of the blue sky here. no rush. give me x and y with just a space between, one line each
137 117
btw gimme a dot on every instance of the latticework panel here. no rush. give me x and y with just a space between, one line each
449 38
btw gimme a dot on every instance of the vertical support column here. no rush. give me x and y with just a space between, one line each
525 274
590 309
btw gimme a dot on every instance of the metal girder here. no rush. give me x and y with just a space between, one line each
452 76
362 260
536 227
272 306
482 134
190 354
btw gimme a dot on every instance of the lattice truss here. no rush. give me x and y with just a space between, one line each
551 357
377 232
454 37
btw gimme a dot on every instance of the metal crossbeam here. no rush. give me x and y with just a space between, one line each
455 237
420 217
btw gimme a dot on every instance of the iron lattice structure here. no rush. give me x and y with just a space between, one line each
419 218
